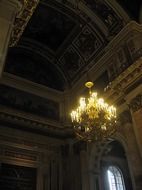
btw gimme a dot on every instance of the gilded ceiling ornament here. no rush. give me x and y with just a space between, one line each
22 19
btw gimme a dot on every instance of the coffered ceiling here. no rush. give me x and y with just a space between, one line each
62 40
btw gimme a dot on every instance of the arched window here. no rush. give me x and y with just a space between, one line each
115 178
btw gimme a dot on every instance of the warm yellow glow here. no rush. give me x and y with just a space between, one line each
93 106
93 116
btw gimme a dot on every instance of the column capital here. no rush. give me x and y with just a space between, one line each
136 103
125 117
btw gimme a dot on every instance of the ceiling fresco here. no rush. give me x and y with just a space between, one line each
63 41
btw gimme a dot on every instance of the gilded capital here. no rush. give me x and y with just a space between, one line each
125 117
136 103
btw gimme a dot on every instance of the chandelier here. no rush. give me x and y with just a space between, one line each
93 119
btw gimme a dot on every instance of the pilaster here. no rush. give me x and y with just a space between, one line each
136 109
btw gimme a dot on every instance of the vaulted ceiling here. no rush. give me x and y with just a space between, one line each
62 40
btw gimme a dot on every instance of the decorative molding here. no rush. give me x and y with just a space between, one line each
133 73
29 143
116 53
22 19
36 124
71 62
18 154
26 102
125 117
31 87
136 103
107 14
88 43
90 14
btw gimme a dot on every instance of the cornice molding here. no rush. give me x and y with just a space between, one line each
31 87
123 35
35 124
18 154
115 89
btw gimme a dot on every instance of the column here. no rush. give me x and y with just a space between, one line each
94 181
140 15
40 177
8 11
136 109
84 170
71 167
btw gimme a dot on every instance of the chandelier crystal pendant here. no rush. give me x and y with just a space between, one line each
93 119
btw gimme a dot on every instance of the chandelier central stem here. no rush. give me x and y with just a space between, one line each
89 85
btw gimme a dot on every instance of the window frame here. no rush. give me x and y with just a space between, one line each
117 178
